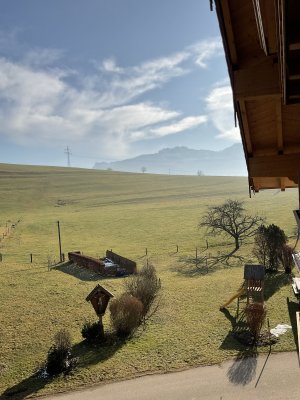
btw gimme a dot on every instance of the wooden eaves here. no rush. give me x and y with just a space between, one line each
261 40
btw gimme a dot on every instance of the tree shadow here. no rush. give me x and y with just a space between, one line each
191 266
274 281
79 272
293 307
243 369
228 260
88 354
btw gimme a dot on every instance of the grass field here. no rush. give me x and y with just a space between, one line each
100 210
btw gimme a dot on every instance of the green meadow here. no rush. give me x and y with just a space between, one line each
128 213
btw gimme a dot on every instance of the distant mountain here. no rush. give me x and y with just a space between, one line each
184 161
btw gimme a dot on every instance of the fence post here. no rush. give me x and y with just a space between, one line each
177 248
146 251
206 244
0 256
31 257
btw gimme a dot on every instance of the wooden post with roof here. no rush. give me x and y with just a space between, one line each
99 298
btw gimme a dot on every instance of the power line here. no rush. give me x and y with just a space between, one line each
68 153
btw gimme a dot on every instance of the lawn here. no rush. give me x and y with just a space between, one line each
128 213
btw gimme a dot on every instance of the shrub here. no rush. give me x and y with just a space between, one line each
287 258
255 315
126 313
144 286
91 331
59 355
268 246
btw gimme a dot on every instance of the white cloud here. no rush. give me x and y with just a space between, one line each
39 105
205 50
109 65
220 108
179 126
170 129
42 57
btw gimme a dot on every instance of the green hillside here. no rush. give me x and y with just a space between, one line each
128 213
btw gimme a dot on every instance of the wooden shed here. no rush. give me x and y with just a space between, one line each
261 40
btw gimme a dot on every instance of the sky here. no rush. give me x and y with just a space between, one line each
110 80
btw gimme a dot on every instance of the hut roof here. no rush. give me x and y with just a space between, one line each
254 271
98 289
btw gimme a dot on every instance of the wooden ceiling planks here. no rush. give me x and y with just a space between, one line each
265 76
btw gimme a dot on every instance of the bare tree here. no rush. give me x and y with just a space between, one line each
143 169
230 218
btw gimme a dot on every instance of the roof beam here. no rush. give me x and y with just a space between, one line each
229 32
260 26
246 129
279 127
273 166
259 80
282 45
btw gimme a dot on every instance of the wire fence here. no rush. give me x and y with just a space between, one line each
198 254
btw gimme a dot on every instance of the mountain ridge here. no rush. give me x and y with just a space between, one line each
182 160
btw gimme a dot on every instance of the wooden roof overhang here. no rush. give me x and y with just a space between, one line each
262 46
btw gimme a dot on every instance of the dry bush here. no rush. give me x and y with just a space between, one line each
144 286
59 355
255 315
126 314
268 246
91 331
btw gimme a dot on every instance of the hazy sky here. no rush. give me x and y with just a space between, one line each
110 79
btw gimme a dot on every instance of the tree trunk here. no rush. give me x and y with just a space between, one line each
237 243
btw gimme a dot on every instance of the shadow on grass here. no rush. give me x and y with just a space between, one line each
25 388
274 281
191 266
88 354
78 272
238 324
293 307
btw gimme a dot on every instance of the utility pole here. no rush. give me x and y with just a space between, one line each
59 242
68 153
